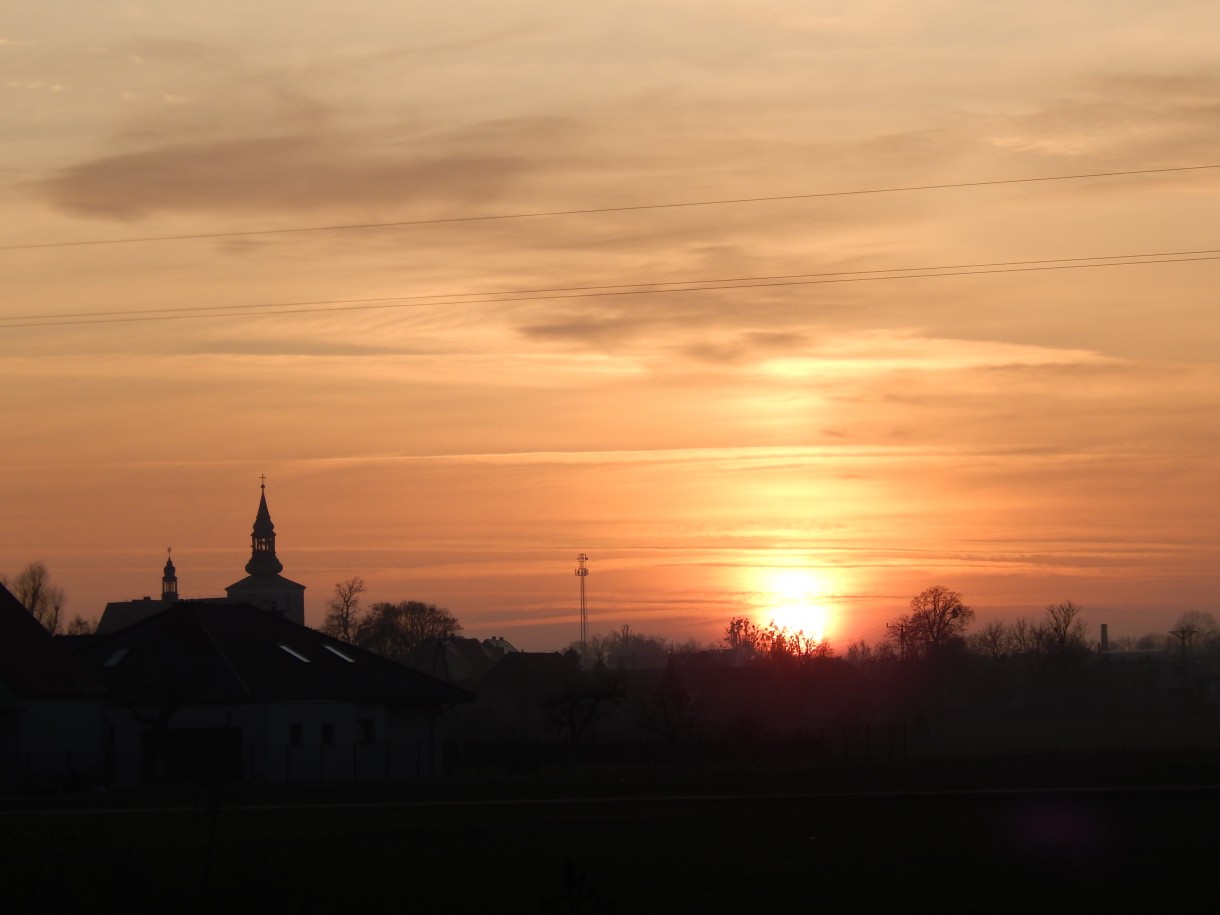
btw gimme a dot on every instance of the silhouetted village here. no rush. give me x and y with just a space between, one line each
232 699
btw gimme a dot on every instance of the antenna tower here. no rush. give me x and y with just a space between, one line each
582 573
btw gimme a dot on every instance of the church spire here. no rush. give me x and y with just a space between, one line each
262 539
169 579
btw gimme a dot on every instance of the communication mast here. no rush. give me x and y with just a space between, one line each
582 573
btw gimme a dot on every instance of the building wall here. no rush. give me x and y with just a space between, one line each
296 742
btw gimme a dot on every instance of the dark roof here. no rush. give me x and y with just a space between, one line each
261 581
458 660
204 653
32 665
119 614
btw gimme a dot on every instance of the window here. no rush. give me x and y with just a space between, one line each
328 734
365 726
335 651
295 654
294 735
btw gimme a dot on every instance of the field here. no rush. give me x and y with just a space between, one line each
932 839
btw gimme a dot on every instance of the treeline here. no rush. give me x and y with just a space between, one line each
1032 679
390 629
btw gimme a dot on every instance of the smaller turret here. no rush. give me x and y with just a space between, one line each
169 580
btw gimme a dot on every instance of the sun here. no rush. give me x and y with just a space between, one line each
795 599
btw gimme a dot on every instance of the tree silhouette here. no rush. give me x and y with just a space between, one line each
993 641
936 623
624 650
33 588
392 630
1063 631
343 610
1195 630
774 642
81 626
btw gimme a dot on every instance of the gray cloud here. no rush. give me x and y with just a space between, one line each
595 333
745 347
282 174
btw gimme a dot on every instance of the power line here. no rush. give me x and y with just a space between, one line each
625 289
442 298
599 210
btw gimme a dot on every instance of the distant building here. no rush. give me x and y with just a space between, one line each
263 586
119 614
458 660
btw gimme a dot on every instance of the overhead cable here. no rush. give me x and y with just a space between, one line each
588 292
286 230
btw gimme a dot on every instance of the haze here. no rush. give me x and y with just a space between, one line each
1023 436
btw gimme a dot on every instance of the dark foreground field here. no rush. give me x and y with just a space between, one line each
962 838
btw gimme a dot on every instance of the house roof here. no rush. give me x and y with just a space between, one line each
208 652
119 614
32 665
458 660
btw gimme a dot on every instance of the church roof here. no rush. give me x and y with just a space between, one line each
263 581
206 653
262 520
263 560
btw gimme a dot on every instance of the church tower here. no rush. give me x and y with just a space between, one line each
263 585
169 581
262 540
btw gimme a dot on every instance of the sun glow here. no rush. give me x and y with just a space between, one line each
795 599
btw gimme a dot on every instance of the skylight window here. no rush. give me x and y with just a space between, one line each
333 650
295 654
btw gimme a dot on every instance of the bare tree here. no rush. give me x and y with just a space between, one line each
861 652
1026 637
392 630
1063 631
1203 623
33 588
774 642
343 610
937 621
742 633
1194 630
625 650
994 640
81 626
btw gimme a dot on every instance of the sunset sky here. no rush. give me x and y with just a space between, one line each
752 407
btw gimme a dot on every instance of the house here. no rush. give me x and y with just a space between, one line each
457 660
211 690
52 710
